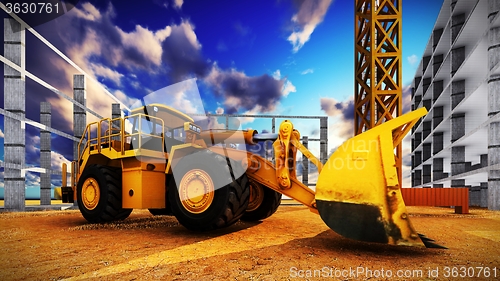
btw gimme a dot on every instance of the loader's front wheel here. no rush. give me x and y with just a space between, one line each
263 202
203 196
99 194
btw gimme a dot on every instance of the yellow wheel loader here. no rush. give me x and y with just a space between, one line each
158 158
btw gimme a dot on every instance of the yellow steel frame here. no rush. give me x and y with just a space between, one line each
378 66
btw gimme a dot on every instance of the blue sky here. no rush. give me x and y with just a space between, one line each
256 57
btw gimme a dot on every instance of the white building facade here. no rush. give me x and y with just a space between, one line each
457 144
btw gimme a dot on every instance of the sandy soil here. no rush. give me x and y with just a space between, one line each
292 244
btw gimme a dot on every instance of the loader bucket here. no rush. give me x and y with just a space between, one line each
358 191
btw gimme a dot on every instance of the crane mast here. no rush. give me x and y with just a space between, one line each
378 66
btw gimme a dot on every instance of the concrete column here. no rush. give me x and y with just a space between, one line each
79 114
457 160
417 178
457 22
273 126
452 4
437 142
425 62
493 47
457 126
14 130
45 154
427 128
436 35
484 195
437 116
457 58
426 174
116 113
426 84
438 169
458 183
427 151
418 158
323 136
494 7
436 64
438 89
305 162
457 92
493 159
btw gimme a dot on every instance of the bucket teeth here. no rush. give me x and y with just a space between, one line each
429 243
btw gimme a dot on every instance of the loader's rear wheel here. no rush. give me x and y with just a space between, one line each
263 202
205 196
99 194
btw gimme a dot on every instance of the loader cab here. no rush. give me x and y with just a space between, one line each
152 122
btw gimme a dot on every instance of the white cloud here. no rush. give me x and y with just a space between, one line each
57 160
1 134
88 12
145 42
102 71
288 88
277 74
178 3
310 15
219 110
307 71
413 59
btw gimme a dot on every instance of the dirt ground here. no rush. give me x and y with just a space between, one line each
292 244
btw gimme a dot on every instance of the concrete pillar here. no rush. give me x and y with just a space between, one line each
438 169
418 139
458 183
425 62
14 130
494 109
418 158
457 160
437 142
457 92
484 195
493 159
494 47
417 178
452 4
494 7
305 162
457 21
45 154
426 174
436 63
116 113
437 116
79 114
427 128
436 35
438 89
457 58
427 151
457 126
273 126
426 84
323 138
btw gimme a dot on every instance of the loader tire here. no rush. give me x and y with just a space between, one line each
200 174
99 194
263 202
